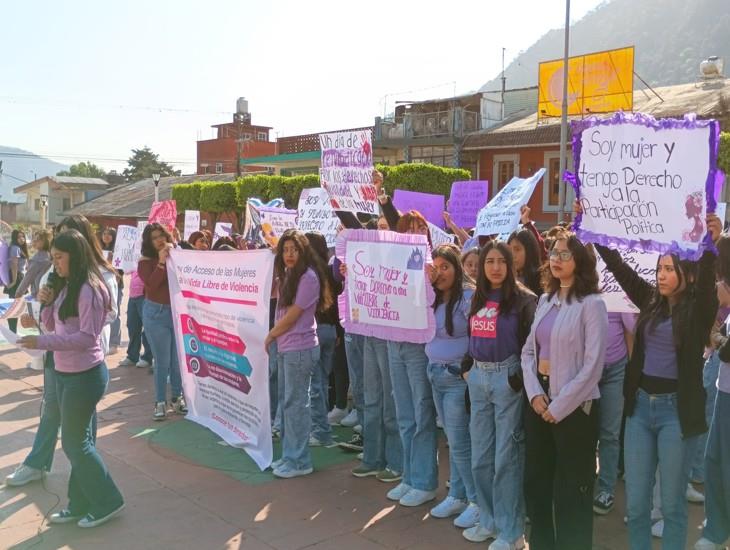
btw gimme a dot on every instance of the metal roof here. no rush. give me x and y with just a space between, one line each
66 182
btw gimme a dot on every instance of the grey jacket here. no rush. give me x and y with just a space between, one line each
577 350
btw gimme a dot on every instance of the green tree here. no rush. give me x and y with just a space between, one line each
84 170
143 163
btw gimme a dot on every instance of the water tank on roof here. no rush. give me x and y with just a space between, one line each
241 106
712 67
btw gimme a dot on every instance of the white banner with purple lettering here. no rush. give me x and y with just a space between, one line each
315 213
439 236
387 293
192 223
220 310
646 184
125 256
644 263
347 171
501 215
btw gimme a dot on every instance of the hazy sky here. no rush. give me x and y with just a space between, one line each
94 79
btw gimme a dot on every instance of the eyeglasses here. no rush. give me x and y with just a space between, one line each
563 255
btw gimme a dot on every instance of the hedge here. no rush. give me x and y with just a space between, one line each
187 196
425 178
723 157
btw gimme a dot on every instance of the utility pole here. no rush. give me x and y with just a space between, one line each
504 83
564 116
239 138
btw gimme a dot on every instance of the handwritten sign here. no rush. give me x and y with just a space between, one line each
439 236
501 215
467 198
124 256
222 229
721 210
430 205
387 293
315 213
644 263
164 213
646 184
192 223
347 171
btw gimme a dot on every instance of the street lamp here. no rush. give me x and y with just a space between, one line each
156 179
44 205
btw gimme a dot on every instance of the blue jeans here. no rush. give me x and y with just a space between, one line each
610 412
717 467
319 389
354 348
709 380
498 447
449 397
415 412
653 436
382 447
274 387
135 330
295 375
157 319
90 487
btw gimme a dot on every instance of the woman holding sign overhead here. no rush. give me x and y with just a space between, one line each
665 399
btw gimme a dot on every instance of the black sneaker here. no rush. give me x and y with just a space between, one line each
603 503
354 445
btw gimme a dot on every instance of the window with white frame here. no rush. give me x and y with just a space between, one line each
218 167
551 183
504 168
261 136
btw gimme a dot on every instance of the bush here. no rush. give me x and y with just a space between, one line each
187 196
723 157
217 197
425 178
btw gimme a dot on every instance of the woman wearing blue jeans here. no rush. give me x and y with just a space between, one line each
157 318
500 317
665 400
73 315
445 352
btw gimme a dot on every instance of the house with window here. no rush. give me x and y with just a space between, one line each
58 194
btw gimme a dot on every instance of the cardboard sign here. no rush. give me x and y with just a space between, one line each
439 236
466 200
125 255
315 213
644 263
192 223
502 214
431 206
164 213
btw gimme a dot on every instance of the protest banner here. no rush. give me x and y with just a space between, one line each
646 184
347 171
644 263
467 198
192 223
164 213
387 293
431 206
12 308
315 213
220 306
265 224
4 263
222 229
501 215
721 210
439 236
124 256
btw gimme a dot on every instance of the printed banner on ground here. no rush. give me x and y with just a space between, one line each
192 223
125 257
644 263
646 184
387 293
220 306
315 213
466 200
347 171
164 213
429 205
502 214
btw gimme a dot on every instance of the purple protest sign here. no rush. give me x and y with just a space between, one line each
387 293
466 200
431 206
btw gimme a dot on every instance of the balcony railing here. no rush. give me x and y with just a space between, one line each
455 122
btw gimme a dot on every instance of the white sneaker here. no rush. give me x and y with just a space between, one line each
468 518
141 364
478 534
448 507
500 544
350 420
359 456
335 416
693 495
126 362
706 544
416 497
89 521
398 492
656 515
160 411
285 471
657 530
23 475
357 429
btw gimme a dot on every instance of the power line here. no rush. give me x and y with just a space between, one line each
71 104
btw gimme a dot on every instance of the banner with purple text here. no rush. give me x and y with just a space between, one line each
646 184
644 263
501 215
387 293
125 254
315 213
220 307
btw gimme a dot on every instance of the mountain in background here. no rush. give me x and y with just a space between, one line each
671 38
19 167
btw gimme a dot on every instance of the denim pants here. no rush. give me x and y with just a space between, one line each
498 447
382 447
654 437
274 386
157 319
449 397
294 377
135 330
115 335
319 388
90 487
709 381
354 348
415 412
610 413
717 468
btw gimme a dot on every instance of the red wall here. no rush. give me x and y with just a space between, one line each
224 150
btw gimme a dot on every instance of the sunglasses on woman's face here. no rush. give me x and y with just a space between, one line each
562 255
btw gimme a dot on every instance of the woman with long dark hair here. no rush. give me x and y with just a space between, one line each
18 256
663 391
157 319
199 240
304 289
74 314
527 259
562 362
500 316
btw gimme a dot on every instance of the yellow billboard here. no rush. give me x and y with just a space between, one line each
601 82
